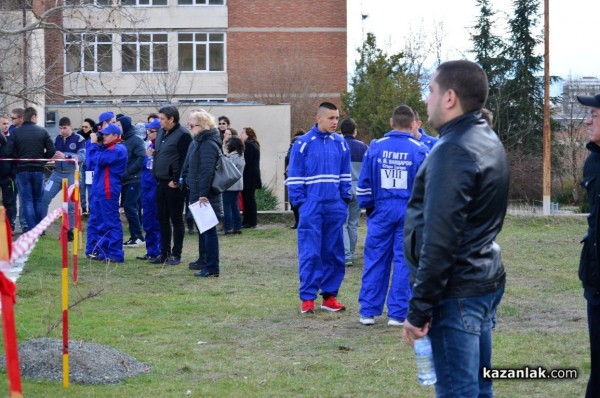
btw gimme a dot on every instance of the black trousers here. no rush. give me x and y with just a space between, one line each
170 203
9 200
249 196
593 387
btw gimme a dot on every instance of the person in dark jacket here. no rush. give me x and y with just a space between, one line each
455 212
7 184
589 264
88 126
132 180
251 176
286 164
68 145
30 141
170 149
199 172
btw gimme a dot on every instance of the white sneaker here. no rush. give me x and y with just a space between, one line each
395 322
367 320
134 243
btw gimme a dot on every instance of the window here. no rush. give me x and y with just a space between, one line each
88 52
144 2
201 52
144 52
200 2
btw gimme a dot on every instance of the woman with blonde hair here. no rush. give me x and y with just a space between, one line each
199 171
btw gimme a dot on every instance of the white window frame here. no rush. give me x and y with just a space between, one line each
145 3
139 45
83 56
99 3
195 42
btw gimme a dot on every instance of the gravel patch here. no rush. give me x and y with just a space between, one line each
88 363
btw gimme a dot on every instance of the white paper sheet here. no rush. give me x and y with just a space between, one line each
204 216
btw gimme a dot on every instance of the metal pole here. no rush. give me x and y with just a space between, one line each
547 134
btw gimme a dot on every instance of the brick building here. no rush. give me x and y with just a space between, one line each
186 51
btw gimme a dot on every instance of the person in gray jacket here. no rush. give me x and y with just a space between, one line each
132 180
199 171
232 221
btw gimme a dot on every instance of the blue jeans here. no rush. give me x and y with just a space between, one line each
208 248
350 228
232 221
31 186
461 339
132 193
51 188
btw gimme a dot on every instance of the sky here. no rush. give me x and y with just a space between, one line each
573 24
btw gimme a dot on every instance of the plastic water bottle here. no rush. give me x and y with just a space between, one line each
424 358
150 162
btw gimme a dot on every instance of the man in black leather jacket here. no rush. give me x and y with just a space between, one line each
456 210
589 267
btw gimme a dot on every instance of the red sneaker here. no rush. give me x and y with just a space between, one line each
331 304
308 306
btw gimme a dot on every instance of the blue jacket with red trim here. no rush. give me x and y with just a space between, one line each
109 162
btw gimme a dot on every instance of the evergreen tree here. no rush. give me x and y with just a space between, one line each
522 115
379 84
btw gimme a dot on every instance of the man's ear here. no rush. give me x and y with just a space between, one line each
392 123
451 100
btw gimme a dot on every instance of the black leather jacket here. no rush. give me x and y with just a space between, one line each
456 210
589 266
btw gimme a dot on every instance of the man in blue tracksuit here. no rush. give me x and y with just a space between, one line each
68 145
149 206
105 230
384 187
319 183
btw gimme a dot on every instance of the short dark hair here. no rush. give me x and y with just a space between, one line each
225 118
64 121
348 126
467 79
170 112
328 105
28 113
235 144
403 116
18 112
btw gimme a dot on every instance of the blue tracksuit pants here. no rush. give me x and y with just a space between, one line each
321 247
384 247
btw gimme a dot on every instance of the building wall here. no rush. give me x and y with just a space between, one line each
271 123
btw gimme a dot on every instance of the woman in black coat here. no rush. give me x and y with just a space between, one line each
252 180
199 171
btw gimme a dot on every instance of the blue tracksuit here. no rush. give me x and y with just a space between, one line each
319 183
149 210
385 185
105 230
427 139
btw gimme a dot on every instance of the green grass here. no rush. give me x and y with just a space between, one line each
241 335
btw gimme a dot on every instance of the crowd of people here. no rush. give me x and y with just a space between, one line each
434 209
130 168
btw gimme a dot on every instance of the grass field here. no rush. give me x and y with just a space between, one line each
242 335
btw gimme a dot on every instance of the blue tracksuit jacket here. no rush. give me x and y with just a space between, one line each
319 182
385 184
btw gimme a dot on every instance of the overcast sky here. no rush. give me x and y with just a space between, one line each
574 24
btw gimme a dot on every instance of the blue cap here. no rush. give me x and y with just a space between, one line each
106 116
111 128
153 125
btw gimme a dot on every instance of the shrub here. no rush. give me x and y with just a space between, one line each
266 199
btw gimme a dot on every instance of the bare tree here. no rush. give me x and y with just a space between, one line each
290 80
